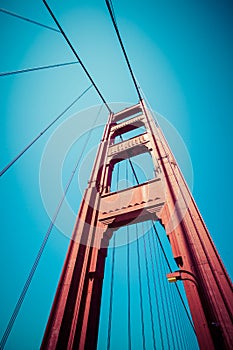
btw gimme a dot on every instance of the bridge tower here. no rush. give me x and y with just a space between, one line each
74 318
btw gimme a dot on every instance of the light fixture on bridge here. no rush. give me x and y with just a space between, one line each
174 276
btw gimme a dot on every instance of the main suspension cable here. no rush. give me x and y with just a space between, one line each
29 20
26 70
76 55
43 245
42 132
113 18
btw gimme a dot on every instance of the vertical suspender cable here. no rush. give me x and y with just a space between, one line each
181 338
159 284
128 276
155 290
148 287
140 290
111 293
168 302
170 269
128 289
112 279
177 322
131 165
139 270
118 173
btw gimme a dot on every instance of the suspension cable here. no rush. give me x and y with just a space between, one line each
42 132
193 221
29 20
43 245
175 176
166 299
148 287
134 177
112 279
178 323
111 12
155 291
111 293
113 18
170 269
128 291
131 165
76 55
181 338
156 257
36 68
140 289
163 251
128 274
175 334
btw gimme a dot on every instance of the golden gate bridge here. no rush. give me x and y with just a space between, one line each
108 212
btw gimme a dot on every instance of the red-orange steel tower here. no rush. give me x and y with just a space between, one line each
74 318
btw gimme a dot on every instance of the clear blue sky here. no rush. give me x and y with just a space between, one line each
182 54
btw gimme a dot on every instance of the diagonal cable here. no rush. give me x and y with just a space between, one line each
41 133
28 20
76 55
26 70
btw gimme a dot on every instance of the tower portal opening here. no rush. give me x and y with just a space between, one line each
124 171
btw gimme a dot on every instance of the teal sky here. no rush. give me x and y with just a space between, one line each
182 54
